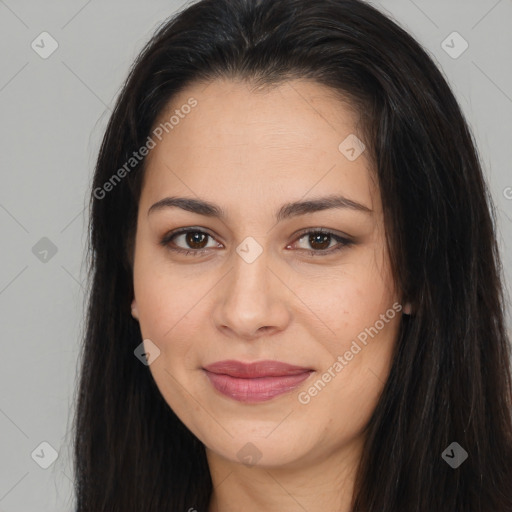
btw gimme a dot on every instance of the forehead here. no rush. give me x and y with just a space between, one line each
293 114
238 139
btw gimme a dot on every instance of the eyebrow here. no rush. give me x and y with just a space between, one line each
288 210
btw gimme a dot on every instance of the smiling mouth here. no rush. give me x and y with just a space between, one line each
255 382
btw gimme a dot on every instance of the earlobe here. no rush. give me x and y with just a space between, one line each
407 308
135 312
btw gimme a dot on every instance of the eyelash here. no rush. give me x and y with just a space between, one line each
343 242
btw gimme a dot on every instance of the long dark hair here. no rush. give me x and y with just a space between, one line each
450 380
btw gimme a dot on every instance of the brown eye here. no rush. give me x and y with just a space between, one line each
188 241
196 239
319 242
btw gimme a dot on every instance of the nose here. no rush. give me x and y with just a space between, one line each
252 300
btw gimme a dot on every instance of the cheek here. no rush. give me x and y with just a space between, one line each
356 372
171 307
160 293
365 320
348 301
359 308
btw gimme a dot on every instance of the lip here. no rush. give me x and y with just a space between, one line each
255 382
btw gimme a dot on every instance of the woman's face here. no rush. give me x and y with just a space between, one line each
259 282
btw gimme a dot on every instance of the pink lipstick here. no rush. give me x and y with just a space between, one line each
255 382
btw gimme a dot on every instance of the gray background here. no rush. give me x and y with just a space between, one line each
53 114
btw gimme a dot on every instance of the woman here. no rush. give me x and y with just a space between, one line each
296 297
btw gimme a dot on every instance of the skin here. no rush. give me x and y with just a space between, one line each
250 152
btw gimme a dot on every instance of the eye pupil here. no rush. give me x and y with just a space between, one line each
317 238
192 239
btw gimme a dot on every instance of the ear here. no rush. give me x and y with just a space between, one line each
407 308
135 311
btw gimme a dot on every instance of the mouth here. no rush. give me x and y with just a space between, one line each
255 382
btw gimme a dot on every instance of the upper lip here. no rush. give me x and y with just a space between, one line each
254 370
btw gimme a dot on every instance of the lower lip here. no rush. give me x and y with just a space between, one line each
256 389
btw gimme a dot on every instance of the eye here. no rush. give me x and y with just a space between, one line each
196 241
320 240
